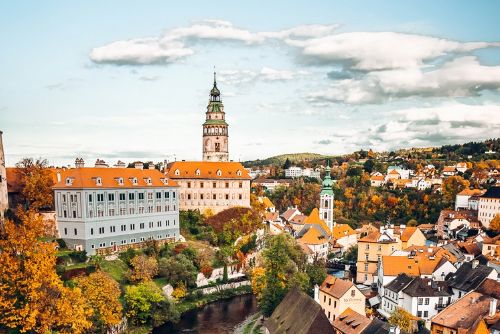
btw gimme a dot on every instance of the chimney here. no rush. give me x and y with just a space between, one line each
475 264
119 164
79 163
493 307
100 163
58 176
138 165
316 293
151 165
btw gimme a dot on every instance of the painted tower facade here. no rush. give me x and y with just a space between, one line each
215 129
4 199
326 199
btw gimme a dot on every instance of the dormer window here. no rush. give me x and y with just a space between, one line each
69 181
98 181
120 181
134 181
219 172
164 180
147 180
198 172
177 172
238 172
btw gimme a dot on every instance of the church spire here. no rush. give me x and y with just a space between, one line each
327 185
215 92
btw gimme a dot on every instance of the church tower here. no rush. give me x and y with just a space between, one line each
4 203
326 199
215 134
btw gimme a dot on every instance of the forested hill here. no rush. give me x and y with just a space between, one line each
279 160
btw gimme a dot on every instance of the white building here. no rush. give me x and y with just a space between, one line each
403 173
293 172
489 206
462 198
310 172
102 210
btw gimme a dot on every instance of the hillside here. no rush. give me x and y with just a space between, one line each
279 160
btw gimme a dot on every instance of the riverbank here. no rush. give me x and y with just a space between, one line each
221 317
191 305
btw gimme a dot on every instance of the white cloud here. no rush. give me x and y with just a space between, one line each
141 51
303 31
460 77
238 77
369 51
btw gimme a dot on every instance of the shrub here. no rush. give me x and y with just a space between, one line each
78 256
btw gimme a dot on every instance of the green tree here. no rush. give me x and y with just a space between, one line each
141 300
351 254
178 269
368 165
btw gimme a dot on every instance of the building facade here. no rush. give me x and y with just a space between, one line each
489 206
215 129
335 295
4 200
211 186
102 210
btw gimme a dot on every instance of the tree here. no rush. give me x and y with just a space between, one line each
144 268
36 183
287 164
451 186
102 294
178 269
368 165
32 296
224 274
351 254
179 292
140 301
495 223
401 319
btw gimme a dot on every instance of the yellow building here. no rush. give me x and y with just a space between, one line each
370 251
410 236
337 295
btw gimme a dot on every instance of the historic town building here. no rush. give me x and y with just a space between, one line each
4 203
216 183
102 209
215 129
327 200
210 186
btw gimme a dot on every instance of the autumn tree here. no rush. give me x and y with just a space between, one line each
36 183
451 186
401 319
495 223
177 269
144 268
102 294
32 296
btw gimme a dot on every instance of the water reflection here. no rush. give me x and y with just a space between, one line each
219 317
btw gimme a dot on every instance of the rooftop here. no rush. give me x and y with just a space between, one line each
493 192
207 170
351 322
335 286
467 278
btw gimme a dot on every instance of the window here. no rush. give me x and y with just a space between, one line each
329 301
112 229
141 195
214 184
367 246
131 196
124 228
240 184
158 195
132 227
419 314
141 226
150 195
420 301
366 266
227 196
189 184
240 196
122 196
150 224
100 197
214 196
91 231
90 198
426 301
426 314
92 246
335 304
167 194
76 231
227 184
158 224
173 194
324 299
353 293
111 212
101 230
366 257
111 197
74 214
201 184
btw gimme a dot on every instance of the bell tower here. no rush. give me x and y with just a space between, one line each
326 199
215 129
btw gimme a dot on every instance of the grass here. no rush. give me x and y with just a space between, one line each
62 252
160 282
78 265
116 269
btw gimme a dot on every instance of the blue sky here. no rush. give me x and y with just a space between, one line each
130 79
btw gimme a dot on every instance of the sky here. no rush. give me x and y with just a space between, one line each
130 80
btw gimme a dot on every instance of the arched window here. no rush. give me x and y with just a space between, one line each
198 172
177 172
219 172
238 172
325 215
326 203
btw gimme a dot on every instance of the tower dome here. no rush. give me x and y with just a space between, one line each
327 185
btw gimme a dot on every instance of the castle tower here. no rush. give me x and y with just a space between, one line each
215 134
4 199
326 199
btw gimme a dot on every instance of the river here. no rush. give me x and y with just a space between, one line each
220 317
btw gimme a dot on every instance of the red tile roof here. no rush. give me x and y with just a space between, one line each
207 170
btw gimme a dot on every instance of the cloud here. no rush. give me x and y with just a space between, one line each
141 51
369 51
325 141
460 77
266 74
303 31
